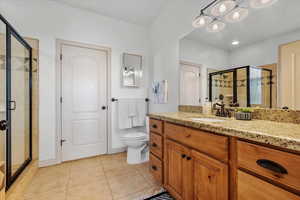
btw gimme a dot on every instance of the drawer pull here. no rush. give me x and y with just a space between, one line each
183 156
189 158
154 168
154 126
154 145
273 166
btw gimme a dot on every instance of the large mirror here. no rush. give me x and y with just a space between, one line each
250 63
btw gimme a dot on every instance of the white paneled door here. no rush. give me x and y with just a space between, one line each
289 63
189 85
84 102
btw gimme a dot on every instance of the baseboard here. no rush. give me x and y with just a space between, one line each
46 163
117 150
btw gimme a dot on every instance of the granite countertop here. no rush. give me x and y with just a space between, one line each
285 135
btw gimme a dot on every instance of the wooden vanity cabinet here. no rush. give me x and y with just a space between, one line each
210 178
177 169
156 149
190 174
194 164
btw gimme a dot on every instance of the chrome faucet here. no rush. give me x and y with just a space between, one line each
220 107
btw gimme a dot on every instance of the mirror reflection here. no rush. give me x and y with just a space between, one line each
251 63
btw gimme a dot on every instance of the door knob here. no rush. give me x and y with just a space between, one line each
3 125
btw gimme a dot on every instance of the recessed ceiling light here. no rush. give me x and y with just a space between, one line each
235 42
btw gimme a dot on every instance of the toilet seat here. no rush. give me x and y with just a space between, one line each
135 136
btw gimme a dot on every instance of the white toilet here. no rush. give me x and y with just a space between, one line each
137 145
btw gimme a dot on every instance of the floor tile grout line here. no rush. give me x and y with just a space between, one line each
111 194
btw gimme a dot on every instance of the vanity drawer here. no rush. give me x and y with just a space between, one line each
156 126
156 168
156 144
279 166
252 188
211 144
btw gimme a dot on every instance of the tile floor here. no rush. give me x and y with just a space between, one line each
106 177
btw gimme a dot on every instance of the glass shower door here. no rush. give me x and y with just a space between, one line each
3 119
15 104
19 99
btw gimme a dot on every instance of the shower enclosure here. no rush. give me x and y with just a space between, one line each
242 87
15 102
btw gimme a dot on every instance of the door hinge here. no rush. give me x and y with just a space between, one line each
62 141
61 99
60 56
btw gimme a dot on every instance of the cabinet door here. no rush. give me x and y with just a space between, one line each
176 169
252 188
210 178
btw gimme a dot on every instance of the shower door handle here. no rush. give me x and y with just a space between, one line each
12 105
3 125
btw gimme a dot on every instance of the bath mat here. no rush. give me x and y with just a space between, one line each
161 196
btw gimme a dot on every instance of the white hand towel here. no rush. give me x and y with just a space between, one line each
124 120
139 119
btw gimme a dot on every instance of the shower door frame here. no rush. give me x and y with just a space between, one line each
10 31
234 87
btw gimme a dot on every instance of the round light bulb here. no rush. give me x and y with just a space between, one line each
201 21
265 1
261 3
222 8
215 27
236 15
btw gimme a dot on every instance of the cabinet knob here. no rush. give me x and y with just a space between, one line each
154 126
154 167
183 156
154 145
188 136
189 158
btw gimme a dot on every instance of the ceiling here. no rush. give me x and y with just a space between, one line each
260 25
142 12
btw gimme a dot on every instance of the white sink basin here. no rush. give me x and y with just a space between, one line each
207 120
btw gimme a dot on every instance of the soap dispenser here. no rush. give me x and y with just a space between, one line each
207 107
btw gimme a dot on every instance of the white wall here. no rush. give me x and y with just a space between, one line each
206 55
262 52
170 26
48 21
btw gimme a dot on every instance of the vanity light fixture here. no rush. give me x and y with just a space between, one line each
225 10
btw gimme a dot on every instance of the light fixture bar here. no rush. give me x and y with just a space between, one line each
226 10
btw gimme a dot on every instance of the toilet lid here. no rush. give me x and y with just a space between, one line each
136 135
